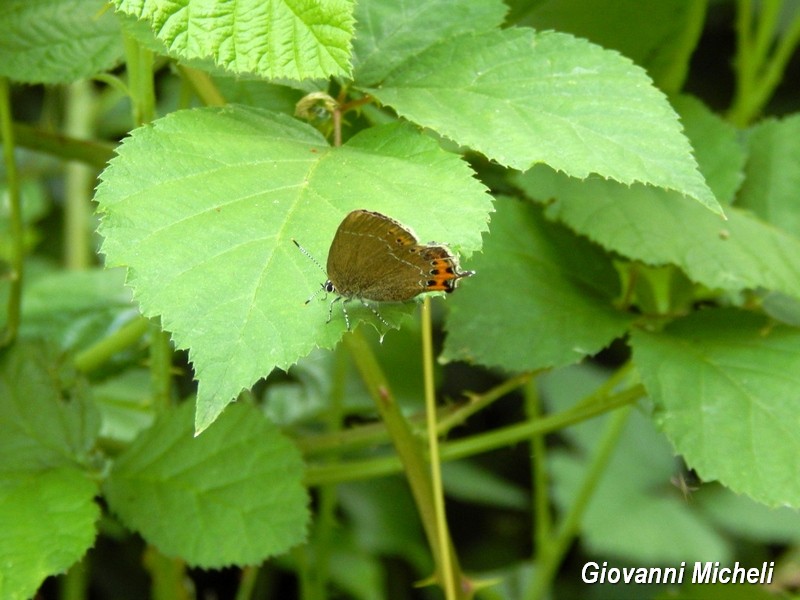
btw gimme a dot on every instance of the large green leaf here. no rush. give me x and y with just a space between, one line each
48 523
660 36
635 512
542 296
388 33
38 430
47 508
744 518
203 204
76 308
57 41
233 495
296 39
522 98
717 146
726 383
659 227
773 173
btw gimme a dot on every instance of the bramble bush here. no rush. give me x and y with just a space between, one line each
618 382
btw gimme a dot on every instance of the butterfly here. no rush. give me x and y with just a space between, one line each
373 257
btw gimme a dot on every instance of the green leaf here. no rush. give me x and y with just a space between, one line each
522 98
390 33
47 512
469 483
38 430
717 147
659 36
726 382
781 307
744 518
538 287
296 39
384 519
773 173
635 513
202 207
232 495
74 307
658 227
354 572
48 523
57 41
125 405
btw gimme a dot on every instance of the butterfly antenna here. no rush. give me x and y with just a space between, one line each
309 256
323 287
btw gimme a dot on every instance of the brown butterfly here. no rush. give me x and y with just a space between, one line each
373 257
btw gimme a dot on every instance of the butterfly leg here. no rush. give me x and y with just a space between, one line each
344 310
330 308
375 312
346 316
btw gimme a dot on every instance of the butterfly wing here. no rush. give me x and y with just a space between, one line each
374 257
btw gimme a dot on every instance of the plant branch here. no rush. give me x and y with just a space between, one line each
79 178
203 85
91 152
449 567
100 353
541 504
758 72
485 442
15 219
405 442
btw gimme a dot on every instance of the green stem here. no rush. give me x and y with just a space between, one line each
139 63
766 27
405 443
523 431
325 523
743 61
477 402
303 570
448 575
15 218
759 72
776 67
168 576
555 551
541 505
203 85
74 585
673 76
247 583
352 470
100 353
79 178
91 152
